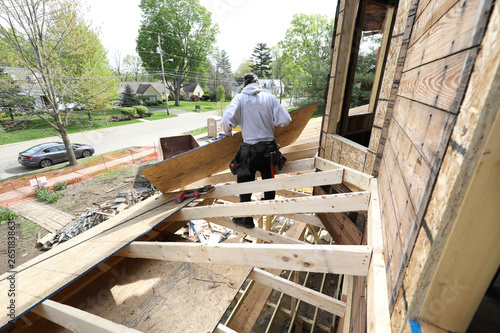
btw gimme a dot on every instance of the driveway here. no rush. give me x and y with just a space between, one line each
105 140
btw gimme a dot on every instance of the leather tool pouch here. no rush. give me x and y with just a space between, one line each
239 165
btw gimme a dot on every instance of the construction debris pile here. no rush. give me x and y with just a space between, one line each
92 217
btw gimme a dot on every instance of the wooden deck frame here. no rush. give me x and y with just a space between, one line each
337 259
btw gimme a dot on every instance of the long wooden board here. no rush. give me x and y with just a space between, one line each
202 162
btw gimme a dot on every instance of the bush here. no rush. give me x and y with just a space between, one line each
128 112
141 110
205 97
61 186
6 214
45 195
149 114
117 117
195 98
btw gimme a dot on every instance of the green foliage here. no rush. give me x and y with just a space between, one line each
306 57
61 186
7 214
187 36
45 195
11 99
261 57
128 97
129 112
141 110
364 75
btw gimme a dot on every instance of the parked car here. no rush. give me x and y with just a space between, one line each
46 154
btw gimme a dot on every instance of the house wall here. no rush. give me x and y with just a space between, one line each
153 94
433 50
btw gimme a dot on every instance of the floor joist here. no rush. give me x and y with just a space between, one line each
77 320
336 259
334 203
298 291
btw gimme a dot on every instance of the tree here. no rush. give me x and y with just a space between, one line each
244 68
11 97
261 57
220 73
63 55
186 36
132 65
128 97
306 54
221 96
278 67
365 71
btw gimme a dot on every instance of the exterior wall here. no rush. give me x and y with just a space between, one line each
153 94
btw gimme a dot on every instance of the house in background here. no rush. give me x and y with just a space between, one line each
191 89
272 86
154 91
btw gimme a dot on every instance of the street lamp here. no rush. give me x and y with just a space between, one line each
160 51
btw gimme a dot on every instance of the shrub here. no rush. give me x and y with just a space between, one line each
45 195
6 214
205 97
195 98
117 117
141 110
149 114
61 186
128 111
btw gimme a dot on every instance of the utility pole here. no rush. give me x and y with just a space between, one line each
163 73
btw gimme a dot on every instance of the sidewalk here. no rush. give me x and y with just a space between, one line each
11 197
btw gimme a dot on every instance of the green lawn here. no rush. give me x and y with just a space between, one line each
30 128
191 106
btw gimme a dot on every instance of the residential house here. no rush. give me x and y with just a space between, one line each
191 89
28 84
155 91
272 86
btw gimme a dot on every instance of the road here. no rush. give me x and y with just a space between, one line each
106 140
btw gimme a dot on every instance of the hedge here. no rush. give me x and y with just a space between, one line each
141 110
128 111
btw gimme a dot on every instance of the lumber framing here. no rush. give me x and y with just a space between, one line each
359 179
282 183
337 259
77 320
298 291
344 202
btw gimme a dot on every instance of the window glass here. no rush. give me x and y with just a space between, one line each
50 150
61 147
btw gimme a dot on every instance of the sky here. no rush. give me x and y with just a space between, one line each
242 23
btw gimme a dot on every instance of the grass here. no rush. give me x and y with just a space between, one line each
7 214
45 195
191 106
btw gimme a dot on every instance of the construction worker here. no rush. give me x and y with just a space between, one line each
257 113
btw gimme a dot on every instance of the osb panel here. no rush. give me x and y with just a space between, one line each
375 139
352 157
370 161
337 150
328 140
402 16
378 121
390 68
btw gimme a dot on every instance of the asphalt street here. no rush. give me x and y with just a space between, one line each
110 139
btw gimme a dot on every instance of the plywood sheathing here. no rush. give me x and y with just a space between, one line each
440 287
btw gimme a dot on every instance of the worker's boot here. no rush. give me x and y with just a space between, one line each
246 222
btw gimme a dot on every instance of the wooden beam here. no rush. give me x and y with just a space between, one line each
298 291
344 202
347 290
259 233
291 194
377 294
227 176
351 176
223 329
305 218
77 320
337 259
301 154
282 183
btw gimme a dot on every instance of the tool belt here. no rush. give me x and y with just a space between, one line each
247 153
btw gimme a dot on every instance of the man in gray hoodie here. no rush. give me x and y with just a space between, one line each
257 113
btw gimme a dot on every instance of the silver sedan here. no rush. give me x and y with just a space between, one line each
46 154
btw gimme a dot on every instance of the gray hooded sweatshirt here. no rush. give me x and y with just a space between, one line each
257 113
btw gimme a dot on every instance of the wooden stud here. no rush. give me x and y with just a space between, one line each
77 320
344 259
295 290
357 178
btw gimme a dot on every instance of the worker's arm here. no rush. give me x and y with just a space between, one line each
280 115
231 117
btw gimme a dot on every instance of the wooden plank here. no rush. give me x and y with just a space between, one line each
77 320
347 289
248 313
200 163
338 259
282 183
223 329
426 127
436 83
378 315
298 291
258 233
359 179
49 272
451 33
344 202
305 218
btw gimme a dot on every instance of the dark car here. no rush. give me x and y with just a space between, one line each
46 154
